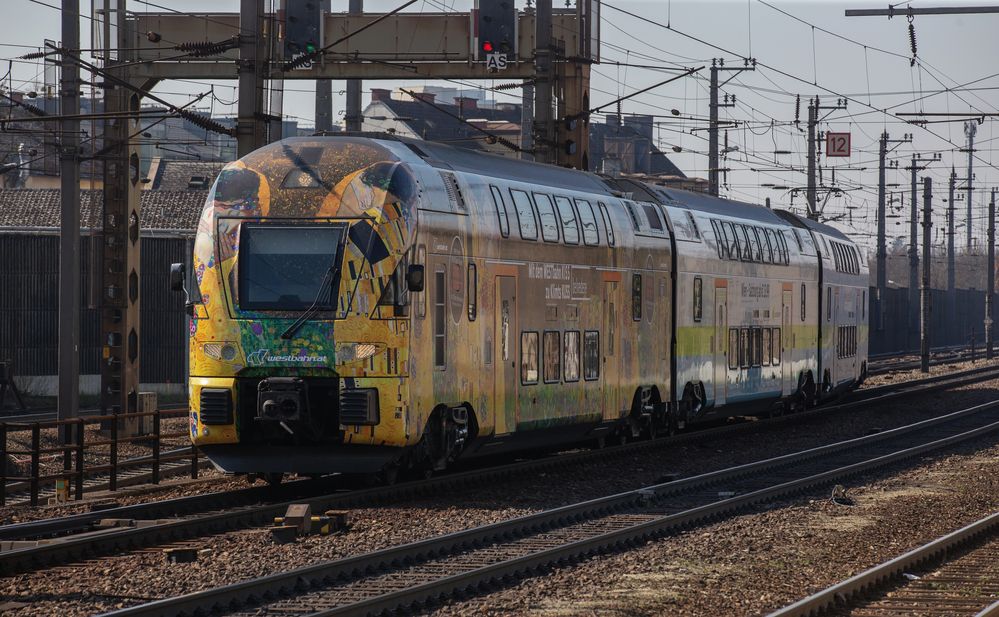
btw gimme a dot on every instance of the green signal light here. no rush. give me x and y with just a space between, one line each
310 47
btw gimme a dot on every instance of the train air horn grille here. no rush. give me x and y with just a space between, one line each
216 406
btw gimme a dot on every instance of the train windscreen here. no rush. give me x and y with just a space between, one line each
289 267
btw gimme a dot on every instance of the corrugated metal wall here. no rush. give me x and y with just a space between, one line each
29 331
948 325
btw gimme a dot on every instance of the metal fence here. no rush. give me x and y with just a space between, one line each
29 331
48 459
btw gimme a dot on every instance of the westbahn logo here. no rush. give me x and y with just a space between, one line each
262 356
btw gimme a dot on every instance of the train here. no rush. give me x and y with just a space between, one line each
373 304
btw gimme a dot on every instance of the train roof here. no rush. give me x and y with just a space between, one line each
699 202
807 223
488 164
485 163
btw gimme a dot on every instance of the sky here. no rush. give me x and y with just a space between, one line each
802 48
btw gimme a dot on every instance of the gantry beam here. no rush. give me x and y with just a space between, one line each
402 46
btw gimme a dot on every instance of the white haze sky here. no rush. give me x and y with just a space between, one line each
956 73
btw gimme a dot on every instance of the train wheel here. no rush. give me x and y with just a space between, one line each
389 475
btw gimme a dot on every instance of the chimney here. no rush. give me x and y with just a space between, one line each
380 94
425 96
466 102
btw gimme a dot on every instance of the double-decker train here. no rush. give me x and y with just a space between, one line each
370 304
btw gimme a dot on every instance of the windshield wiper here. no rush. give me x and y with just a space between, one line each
314 308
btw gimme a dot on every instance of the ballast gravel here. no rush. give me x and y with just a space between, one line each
104 584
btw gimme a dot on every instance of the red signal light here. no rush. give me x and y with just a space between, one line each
487 46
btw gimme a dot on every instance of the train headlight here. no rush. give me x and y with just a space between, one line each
220 351
352 352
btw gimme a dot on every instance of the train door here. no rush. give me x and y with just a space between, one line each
720 378
505 392
609 369
787 344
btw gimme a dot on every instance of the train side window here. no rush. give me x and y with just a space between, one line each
731 240
775 347
766 348
733 348
720 243
591 233
757 346
863 305
570 222
636 297
607 223
528 358
698 298
652 213
552 356
768 249
747 247
549 224
784 253
754 241
693 224
504 219
473 290
744 347
828 303
803 303
525 215
630 207
570 355
440 317
591 355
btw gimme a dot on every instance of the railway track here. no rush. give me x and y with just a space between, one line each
185 518
910 361
413 576
957 574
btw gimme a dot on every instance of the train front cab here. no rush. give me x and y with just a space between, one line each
299 337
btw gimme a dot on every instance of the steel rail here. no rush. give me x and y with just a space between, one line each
842 593
295 583
245 515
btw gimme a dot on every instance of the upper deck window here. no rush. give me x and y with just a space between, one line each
525 215
607 223
504 220
570 223
652 214
549 224
287 267
591 233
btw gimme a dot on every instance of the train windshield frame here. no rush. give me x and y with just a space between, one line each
288 267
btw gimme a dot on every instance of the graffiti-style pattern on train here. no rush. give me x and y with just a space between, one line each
379 304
